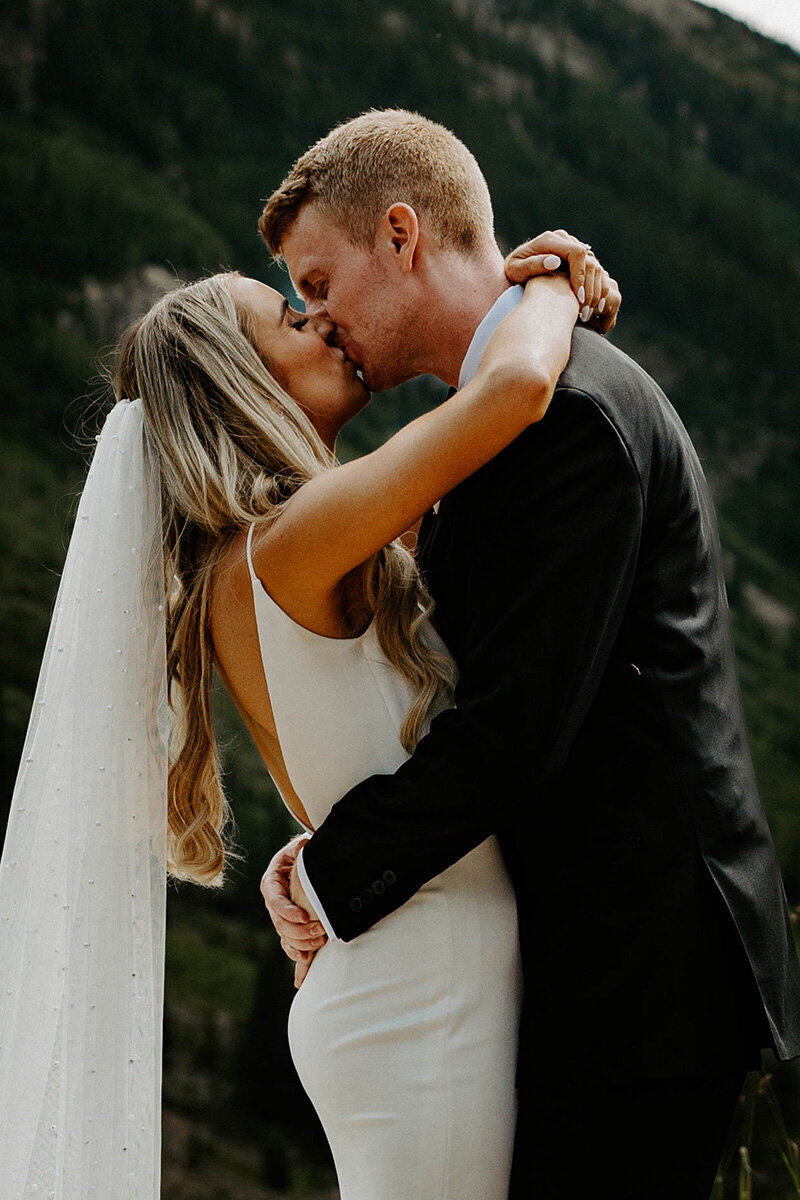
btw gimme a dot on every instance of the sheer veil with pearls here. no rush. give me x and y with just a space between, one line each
83 869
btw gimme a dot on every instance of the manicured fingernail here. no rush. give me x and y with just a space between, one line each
581 295
586 312
601 305
552 262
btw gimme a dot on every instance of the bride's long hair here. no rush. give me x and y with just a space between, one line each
234 447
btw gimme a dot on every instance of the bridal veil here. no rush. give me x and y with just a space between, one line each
83 870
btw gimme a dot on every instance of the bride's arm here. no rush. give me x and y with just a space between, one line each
341 518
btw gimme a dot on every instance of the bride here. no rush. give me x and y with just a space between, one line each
216 530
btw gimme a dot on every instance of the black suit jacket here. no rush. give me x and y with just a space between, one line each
598 731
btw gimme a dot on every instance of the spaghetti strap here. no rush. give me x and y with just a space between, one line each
253 575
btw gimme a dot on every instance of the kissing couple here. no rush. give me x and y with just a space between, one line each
539 929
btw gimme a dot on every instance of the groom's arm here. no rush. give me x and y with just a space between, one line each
554 544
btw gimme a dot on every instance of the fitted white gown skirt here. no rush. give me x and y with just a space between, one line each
405 1039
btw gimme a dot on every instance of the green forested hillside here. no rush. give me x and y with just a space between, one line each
136 143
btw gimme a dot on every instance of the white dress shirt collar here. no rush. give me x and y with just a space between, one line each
502 306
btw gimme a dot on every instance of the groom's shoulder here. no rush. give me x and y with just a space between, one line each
600 369
629 398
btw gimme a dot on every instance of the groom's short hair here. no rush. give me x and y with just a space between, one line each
359 169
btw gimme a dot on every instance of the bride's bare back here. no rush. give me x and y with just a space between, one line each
238 655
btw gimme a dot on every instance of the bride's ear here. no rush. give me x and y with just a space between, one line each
399 231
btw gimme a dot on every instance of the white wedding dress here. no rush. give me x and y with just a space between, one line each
405 1039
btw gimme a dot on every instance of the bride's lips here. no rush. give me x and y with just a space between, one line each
352 360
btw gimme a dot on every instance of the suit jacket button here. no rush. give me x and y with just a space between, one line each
355 904
367 896
389 878
379 887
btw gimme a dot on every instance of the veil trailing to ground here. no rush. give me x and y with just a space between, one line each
83 870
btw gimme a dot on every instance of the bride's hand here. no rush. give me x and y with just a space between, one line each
598 294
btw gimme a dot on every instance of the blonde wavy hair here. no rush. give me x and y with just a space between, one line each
234 446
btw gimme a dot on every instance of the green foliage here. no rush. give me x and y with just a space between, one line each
81 208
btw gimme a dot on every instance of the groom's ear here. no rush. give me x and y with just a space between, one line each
398 235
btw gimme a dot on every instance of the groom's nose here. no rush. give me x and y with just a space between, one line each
324 327
316 307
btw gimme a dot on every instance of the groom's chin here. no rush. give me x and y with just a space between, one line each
376 380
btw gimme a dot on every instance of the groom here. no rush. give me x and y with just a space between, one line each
598 727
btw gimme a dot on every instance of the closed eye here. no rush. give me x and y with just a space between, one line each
299 323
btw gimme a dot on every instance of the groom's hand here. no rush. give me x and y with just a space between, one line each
556 250
291 913
301 900
298 896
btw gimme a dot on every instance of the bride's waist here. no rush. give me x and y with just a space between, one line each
486 859
480 878
460 926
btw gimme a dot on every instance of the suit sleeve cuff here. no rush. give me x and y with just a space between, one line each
313 897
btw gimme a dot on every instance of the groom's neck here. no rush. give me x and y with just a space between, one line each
459 293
